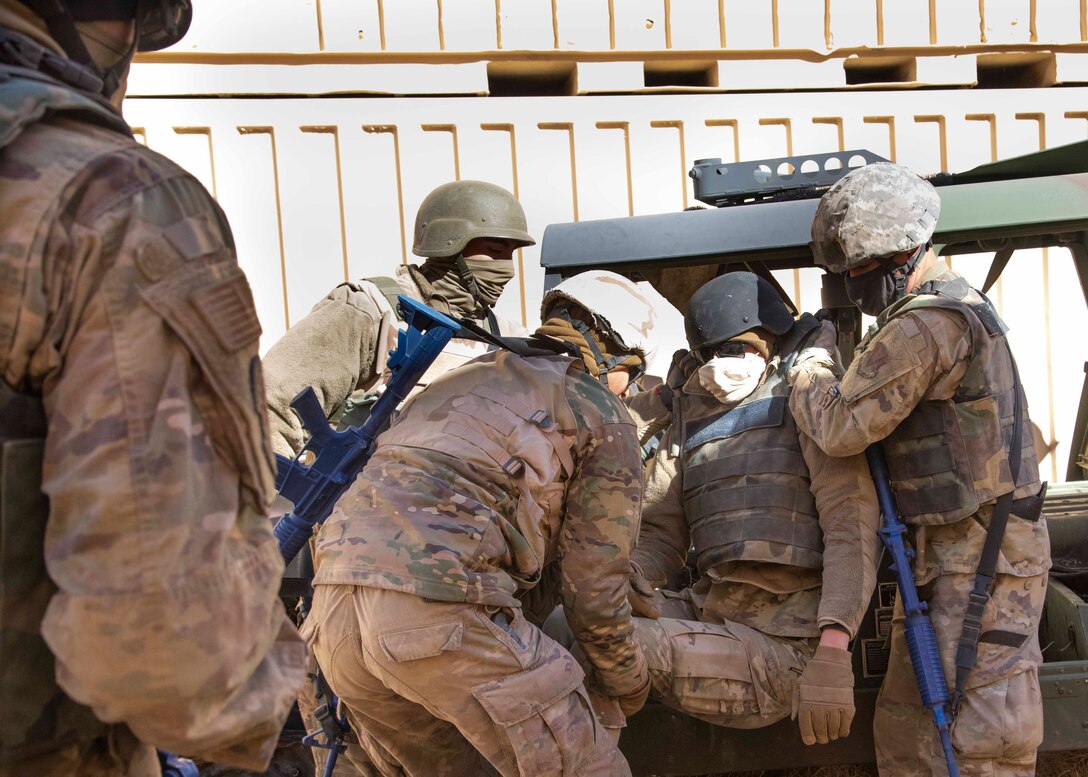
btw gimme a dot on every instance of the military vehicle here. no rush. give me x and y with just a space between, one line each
760 220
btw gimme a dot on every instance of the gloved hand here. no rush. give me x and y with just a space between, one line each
818 354
632 702
815 357
823 704
641 595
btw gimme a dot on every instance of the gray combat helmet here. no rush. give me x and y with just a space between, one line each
731 304
876 211
456 212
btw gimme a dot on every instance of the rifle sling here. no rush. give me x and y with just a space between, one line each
535 345
967 648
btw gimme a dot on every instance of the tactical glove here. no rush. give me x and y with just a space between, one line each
811 359
641 595
823 703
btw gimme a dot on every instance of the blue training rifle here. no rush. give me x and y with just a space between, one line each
921 639
336 458
331 460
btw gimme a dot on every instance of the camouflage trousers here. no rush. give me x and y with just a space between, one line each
450 689
724 673
1000 722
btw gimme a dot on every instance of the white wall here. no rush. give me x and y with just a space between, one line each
322 189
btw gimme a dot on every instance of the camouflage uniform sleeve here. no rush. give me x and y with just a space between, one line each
663 538
602 508
895 372
849 518
650 413
332 349
167 616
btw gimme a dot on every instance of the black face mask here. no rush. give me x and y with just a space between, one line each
875 290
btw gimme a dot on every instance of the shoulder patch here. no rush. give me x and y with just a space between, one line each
889 355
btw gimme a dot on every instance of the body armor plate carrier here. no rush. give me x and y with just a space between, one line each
746 484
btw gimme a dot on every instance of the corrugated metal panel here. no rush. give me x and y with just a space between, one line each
540 25
321 190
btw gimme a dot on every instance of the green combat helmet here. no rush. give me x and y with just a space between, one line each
876 211
457 212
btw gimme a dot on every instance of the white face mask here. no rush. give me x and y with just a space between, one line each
730 379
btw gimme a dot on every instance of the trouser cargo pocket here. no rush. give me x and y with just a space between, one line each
543 716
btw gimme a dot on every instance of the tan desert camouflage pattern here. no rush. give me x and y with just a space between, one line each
1000 721
950 456
878 210
925 355
730 649
615 299
722 672
922 356
649 412
495 472
436 685
341 349
125 309
782 599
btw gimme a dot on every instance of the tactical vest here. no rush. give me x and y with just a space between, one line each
950 456
505 420
746 484
36 717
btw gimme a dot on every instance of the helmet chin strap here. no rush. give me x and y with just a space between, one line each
605 364
62 28
470 281
904 271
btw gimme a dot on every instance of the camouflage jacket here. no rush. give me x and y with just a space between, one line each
340 349
917 359
785 599
500 472
124 310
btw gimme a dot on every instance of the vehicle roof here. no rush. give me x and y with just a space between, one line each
1005 204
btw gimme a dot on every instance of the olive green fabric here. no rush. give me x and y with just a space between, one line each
456 212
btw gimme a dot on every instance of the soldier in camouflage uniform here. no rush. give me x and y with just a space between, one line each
936 382
507 472
468 231
784 536
138 577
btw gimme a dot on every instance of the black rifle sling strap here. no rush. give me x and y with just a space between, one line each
535 345
967 648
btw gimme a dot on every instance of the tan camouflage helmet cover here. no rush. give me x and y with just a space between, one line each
617 304
456 212
877 210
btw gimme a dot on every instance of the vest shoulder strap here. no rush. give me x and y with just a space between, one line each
389 288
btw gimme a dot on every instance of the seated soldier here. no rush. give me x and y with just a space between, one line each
785 537
511 472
